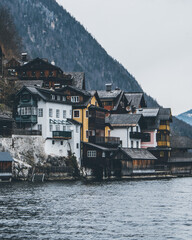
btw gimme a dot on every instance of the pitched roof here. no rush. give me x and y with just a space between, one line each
181 142
39 64
100 147
73 121
29 83
82 91
123 119
148 112
138 153
108 94
165 114
135 99
5 157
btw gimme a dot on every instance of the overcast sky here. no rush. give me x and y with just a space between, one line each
152 39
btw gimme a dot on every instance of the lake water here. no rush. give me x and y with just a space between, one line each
151 210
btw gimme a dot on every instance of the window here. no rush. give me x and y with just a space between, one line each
74 98
42 74
53 97
77 128
95 103
131 144
77 145
50 112
161 154
59 98
137 144
137 129
61 142
50 128
103 154
40 112
64 128
53 142
33 74
57 127
64 98
39 126
87 113
64 113
70 113
109 133
57 113
87 133
91 153
76 113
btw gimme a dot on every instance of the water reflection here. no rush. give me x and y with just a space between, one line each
159 209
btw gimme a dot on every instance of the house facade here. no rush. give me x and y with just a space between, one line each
47 113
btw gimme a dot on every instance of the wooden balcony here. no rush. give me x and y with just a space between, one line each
109 141
62 134
164 127
26 119
163 144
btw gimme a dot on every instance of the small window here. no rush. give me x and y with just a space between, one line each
50 112
40 112
137 129
59 98
61 142
63 98
70 113
103 154
131 144
50 127
57 113
33 73
42 74
39 127
64 113
53 142
87 133
77 145
77 128
53 97
57 127
64 128
74 99
137 144
91 153
76 113
87 113
161 154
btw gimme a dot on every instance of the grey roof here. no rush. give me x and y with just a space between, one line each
134 99
138 153
5 157
108 94
123 119
29 83
149 112
165 114
5 117
180 159
73 121
100 147
78 79
181 142
92 92
84 92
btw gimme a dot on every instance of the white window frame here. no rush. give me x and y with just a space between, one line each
92 153
50 112
40 112
75 99
64 114
74 113
57 113
57 127
39 127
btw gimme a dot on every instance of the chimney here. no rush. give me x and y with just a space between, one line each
24 57
108 87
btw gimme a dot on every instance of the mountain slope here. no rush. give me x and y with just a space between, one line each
186 117
49 31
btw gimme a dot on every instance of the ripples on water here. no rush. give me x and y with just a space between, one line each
151 210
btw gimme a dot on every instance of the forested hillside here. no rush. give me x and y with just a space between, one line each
49 31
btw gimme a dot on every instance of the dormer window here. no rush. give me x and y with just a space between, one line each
75 99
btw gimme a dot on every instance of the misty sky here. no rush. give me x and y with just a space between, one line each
151 38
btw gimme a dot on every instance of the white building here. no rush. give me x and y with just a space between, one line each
48 113
127 127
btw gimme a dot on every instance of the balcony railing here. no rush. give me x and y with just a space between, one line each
105 140
62 134
26 119
26 132
164 127
136 135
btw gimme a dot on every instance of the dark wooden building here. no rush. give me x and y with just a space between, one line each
5 166
6 125
130 161
180 162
